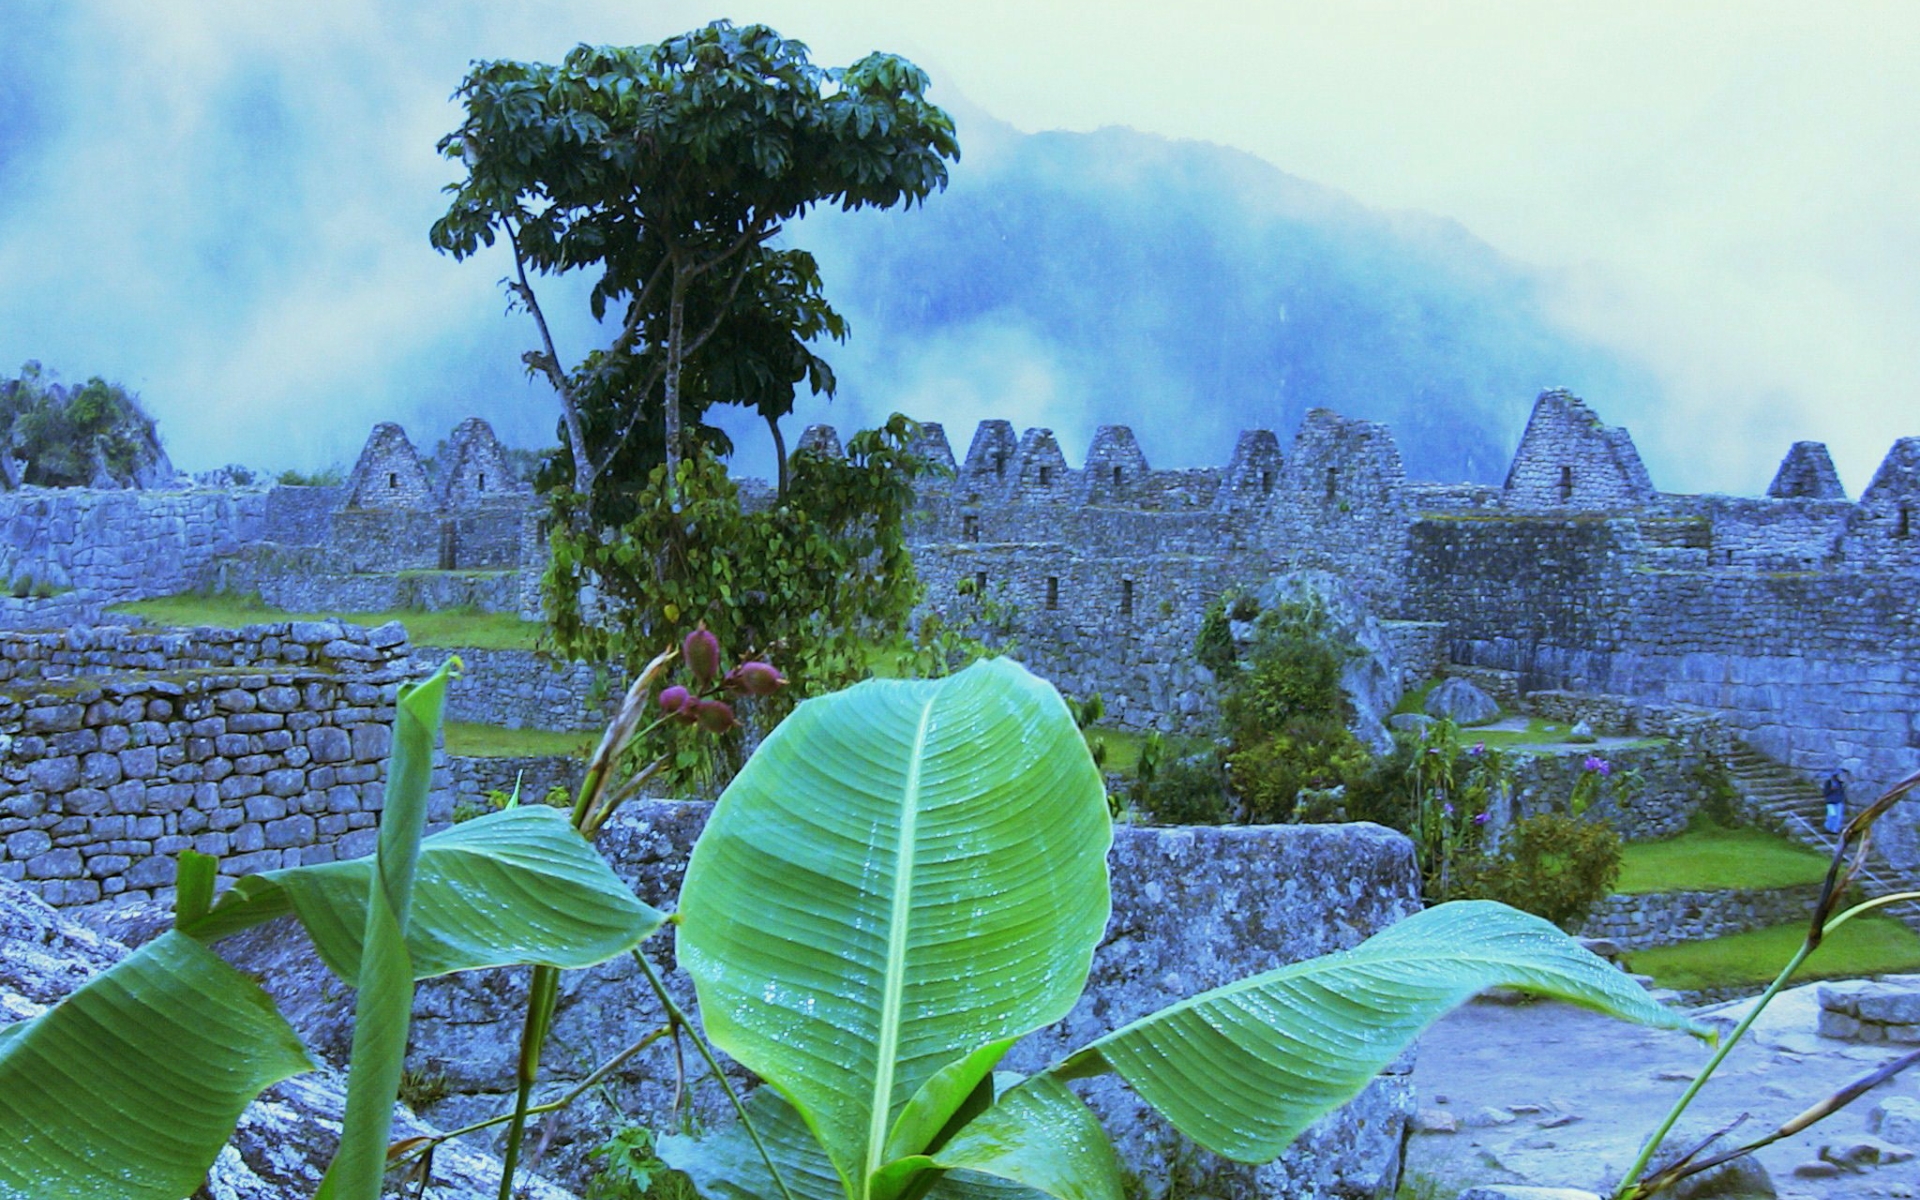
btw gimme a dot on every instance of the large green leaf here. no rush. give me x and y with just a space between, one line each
1037 1136
726 1165
127 1089
1244 1069
907 877
518 886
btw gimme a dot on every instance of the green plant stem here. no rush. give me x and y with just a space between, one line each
677 1015
1627 1189
542 994
555 1105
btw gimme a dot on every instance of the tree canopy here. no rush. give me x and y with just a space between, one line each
670 169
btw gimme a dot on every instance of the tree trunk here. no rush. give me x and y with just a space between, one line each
779 453
676 337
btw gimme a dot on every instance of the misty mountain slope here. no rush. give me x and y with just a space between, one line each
1189 290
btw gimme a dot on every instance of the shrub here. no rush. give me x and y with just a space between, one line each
1552 865
1213 646
1311 753
1187 792
22 587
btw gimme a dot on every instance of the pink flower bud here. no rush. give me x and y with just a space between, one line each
755 679
675 698
702 652
714 716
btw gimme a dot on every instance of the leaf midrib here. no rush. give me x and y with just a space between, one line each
886 1052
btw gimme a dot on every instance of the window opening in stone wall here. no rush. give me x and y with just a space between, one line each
1566 484
483 481
1333 481
1046 476
1903 524
979 583
1126 597
970 527
1053 592
1118 474
1266 483
1000 466
393 479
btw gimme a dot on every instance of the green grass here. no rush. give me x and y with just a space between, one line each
1873 945
1415 701
455 628
1712 857
1123 747
469 740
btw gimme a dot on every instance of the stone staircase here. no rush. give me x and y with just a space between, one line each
1789 802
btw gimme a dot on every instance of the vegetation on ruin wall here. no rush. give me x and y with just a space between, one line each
834 982
452 628
92 435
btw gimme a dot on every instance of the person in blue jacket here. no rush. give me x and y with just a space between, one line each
1834 792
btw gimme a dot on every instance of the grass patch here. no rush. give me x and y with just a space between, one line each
456 628
1123 747
1712 857
1415 701
469 740
1872 945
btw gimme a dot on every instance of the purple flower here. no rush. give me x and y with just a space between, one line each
1477 749
1598 765
1481 818
1447 809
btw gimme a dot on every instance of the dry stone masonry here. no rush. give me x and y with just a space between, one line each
264 746
1790 617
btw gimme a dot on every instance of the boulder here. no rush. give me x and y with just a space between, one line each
1461 702
285 1138
1897 1120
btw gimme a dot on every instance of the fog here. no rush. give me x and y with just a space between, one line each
1711 212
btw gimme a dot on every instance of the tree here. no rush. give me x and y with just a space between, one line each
670 169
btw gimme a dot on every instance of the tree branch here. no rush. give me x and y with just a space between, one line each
583 474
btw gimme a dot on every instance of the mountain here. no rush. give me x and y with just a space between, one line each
1190 290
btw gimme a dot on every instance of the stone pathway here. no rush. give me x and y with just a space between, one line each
1551 1095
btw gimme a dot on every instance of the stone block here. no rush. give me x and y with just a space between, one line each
129 796
291 831
54 864
55 775
27 843
139 762
1896 1119
233 745
1889 1005
279 699
330 745
86 802
216 844
148 827
372 743
249 838
100 866
265 808
286 782
255 722
100 769
235 700
239 787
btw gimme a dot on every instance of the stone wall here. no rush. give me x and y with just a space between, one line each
265 746
315 579
523 690
1815 669
1651 792
121 545
471 777
1640 920
1193 909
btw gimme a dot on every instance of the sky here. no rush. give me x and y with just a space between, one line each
225 204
